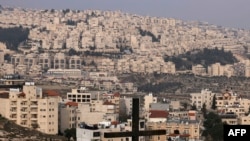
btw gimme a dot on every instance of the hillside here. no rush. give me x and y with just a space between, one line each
205 57
14 132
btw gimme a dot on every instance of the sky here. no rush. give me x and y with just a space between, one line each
227 13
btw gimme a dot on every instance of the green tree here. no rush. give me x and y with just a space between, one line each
185 105
72 52
214 103
204 109
70 133
193 107
213 127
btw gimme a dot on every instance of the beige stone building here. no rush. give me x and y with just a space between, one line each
199 70
232 108
1 57
186 129
17 59
31 60
60 61
32 108
45 60
148 99
79 95
75 62
205 96
68 115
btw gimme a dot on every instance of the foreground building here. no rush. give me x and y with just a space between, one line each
31 108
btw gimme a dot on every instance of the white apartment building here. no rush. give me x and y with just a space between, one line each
205 96
32 108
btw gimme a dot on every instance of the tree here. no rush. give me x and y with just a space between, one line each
72 52
214 127
214 103
35 125
185 105
204 110
70 133
193 107
7 57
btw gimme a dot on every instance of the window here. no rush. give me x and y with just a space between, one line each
96 134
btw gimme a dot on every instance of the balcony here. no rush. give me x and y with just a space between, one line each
13 104
33 110
24 117
34 117
33 104
13 117
24 104
24 110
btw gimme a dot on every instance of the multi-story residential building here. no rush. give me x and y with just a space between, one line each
185 129
68 115
113 98
232 102
1 57
79 95
30 60
64 73
148 99
232 108
45 60
75 62
32 108
205 96
17 59
199 70
126 105
60 61
218 70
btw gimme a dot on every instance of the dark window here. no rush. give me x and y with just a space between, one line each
96 134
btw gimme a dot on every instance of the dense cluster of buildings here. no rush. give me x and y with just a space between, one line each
94 113
144 41
93 106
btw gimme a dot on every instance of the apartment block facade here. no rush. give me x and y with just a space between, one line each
31 108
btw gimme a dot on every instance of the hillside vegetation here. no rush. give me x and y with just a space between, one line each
204 57
12 37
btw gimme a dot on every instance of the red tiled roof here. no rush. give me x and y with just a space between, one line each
117 94
51 93
108 103
114 122
158 114
191 114
22 94
72 104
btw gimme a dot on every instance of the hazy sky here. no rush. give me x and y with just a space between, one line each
228 13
